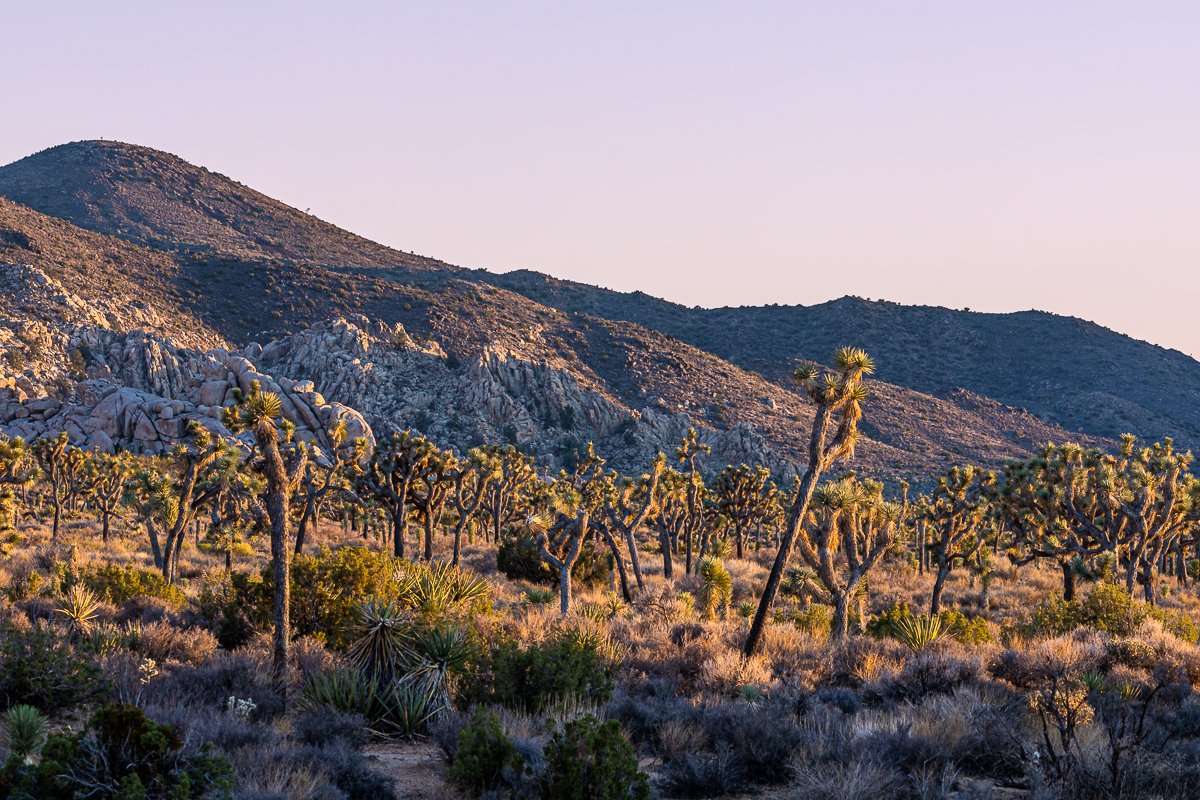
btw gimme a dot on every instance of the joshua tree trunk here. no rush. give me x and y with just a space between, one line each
1068 574
939 583
839 630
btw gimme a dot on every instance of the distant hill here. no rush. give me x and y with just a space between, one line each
1065 370
466 355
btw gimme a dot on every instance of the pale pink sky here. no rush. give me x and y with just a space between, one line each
994 155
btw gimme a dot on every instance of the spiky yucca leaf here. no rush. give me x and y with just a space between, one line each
382 649
80 606
24 732
919 632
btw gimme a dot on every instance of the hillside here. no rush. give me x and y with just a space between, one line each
1067 371
160 245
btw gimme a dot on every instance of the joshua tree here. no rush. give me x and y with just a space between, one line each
16 469
629 505
838 396
956 517
561 542
104 479
172 499
509 496
670 516
260 413
60 465
471 481
688 452
394 466
746 497
851 527
318 482
431 491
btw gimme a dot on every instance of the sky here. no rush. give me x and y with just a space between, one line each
997 156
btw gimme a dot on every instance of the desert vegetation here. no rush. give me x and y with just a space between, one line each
258 618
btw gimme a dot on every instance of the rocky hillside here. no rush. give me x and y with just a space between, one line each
138 258
1067 371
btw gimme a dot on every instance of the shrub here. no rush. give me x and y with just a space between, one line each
485 759
323 726
518 558
896 622
123 755
42 670
703 774
1107 608
530 678
349 770
589 760
118 584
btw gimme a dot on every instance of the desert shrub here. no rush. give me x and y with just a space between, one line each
892 620
40 669
323 726
212 683
518 559
760 738
118 584
590 760
125 755
530 678
485 759
347 769
1107 608
164 642
815 620
695 775
330 586
926 674
228 607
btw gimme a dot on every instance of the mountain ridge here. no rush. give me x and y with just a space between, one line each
638 380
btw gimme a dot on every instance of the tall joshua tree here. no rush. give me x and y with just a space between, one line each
318 483
471 481
849 518
260 413
746 497
838 396
104 479
395 466
629 506
60 465
957 517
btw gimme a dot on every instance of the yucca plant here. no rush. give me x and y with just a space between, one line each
716 588
80 606
413 702
346 690
439 588
24 732
382 648
920 632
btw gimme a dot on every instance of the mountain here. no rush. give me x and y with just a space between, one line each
1067 371
179 283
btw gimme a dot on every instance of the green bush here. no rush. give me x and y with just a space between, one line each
890 623
118 584
40 669
531 678
331 585
486 759
589 760
518 559
1107 608
123 755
